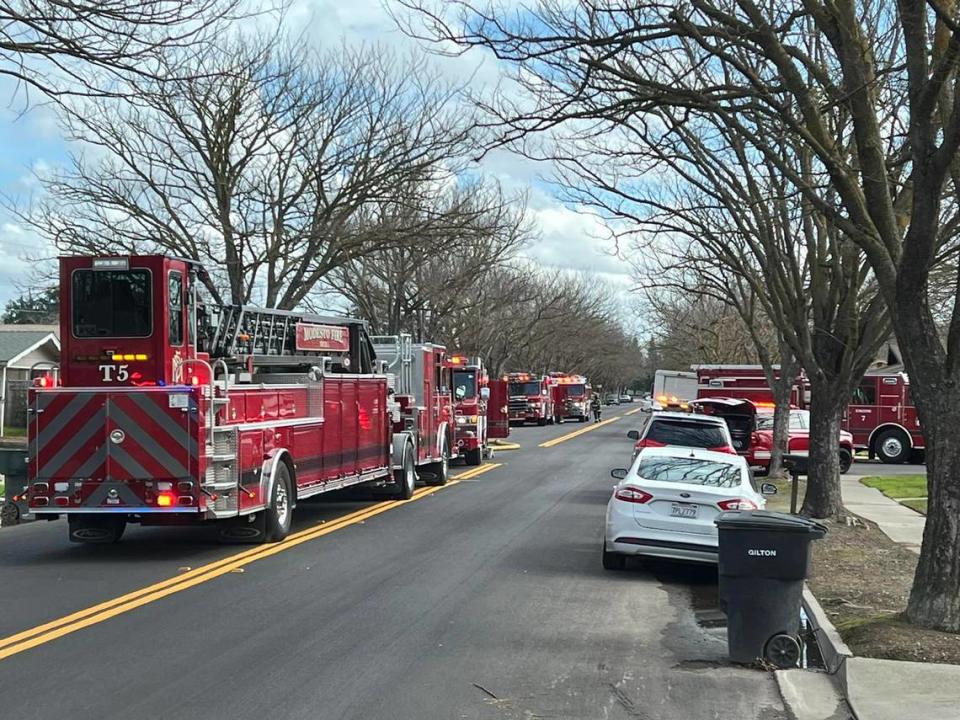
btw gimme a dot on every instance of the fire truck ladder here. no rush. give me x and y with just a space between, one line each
221 482
268 336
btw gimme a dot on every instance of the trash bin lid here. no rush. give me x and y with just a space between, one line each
768 521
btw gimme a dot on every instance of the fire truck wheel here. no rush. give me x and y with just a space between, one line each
846 460
893 447
279 514
439 472
474 457
405 478
96 529
541 421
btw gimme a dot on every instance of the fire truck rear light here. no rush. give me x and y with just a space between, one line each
61 501
185 500
141 356
114 263
165 499
41 487
194 380
185 486
61 486
40 501
164 486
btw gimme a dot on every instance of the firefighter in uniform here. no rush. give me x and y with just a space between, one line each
595 407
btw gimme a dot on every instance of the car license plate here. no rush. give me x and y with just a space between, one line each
684 510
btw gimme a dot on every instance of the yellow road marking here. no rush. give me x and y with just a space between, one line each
95 614
633 412
505 446
470 475
578 433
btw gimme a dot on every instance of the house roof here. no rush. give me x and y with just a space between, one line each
18 340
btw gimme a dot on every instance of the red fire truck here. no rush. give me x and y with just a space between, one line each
170 410
571 397
882 418
747 382
530 399
420 379
480 408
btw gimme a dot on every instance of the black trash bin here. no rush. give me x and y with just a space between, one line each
763 561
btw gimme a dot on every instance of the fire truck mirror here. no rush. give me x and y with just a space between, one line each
484 393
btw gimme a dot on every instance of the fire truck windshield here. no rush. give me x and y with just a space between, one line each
111 303
464 384
525 388
576 390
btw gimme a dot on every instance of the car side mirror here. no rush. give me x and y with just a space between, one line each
619 473
634 434
768 489
484 393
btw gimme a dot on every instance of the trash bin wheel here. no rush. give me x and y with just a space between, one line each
783 651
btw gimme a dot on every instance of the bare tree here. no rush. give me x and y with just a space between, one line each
64 47
886 176
266 167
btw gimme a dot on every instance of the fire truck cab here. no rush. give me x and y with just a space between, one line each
571 397
480 408
172 410
530 398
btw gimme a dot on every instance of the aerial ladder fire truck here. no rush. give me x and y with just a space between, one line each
480 407
168 410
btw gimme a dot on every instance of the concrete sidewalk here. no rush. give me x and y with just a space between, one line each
890 689
899 523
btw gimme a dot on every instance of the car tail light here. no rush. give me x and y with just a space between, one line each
724 449
737 504
647 443
629 493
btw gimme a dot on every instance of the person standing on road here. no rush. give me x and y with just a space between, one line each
595 407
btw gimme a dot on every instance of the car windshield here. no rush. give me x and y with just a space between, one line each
690 471
464 384
525 388
111 304
686 433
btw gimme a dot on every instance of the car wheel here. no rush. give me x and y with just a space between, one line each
440 471
846 460
9 514
613 560
893 447
405 478
279 514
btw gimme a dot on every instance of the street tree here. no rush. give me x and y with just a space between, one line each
886 178
33 308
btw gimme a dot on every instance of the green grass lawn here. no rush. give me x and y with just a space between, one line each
898 487
15 432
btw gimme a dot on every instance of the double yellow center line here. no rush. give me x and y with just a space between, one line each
578 433
68 624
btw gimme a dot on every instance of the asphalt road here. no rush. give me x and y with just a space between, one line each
482 600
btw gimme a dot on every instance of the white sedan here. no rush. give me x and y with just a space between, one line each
665 504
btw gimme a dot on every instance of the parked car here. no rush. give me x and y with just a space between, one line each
666 503
626 398
611 400
751 426
664 429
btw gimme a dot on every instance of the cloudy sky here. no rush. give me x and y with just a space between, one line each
32 143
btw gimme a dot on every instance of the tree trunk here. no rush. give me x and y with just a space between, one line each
781 431
822 499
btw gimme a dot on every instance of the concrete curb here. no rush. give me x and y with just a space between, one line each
834 649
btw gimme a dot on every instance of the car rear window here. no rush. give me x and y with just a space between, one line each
690 471
686 433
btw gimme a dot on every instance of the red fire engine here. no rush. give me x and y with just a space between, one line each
420 379
480 408
173 411
530 398
882 418
571 397
747 382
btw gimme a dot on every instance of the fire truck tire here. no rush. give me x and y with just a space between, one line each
893 447
473 457
96 529
405 479
279 514
541 421
846 460
439 472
